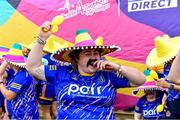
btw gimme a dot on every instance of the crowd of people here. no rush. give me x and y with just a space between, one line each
77 82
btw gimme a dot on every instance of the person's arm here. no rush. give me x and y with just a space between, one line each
138 113
34 65
3 67
8 94
138 116
164 84
174 73
135 77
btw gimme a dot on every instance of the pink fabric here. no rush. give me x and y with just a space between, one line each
12 58
86 43
135 39
125 101
149 83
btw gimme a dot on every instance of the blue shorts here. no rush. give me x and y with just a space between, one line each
46 93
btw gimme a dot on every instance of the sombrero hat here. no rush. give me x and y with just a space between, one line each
166 49
51 46
3 51
15 56
148 85
83 41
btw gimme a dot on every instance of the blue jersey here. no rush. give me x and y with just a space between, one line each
24 104
9 79
148 109
84 97
172 94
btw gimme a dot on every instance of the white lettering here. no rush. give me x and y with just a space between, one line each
87 9
150 112
86 89
141 5
73 88
99 90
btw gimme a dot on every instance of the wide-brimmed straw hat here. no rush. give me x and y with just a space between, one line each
15 56
166 49
83 41
3 51
51 46
148 85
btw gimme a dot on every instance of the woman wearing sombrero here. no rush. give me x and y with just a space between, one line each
86 88
165 52
20 89
146 107
45 91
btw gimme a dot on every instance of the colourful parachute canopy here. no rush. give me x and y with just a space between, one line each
130 24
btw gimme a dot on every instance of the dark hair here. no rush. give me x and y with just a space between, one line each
74 55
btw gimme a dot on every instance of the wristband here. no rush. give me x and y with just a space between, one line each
119 72
171 87
40 41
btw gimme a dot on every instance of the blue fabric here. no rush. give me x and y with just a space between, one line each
148 109
84 97
172 94
173 107
1 100
48 58
9 79
46 93
24 104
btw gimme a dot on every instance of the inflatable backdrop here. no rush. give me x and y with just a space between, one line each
130 24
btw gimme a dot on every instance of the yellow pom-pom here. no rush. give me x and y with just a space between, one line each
54 29
154 75
160 108
99 41
57 20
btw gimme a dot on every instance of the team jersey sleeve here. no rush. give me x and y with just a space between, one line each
51 72
138 106
10 73
119 81
18 82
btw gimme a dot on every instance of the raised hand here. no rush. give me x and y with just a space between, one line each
45 30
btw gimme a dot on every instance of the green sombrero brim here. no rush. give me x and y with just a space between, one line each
62 55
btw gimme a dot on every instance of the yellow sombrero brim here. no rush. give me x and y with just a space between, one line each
30 46
62 55
154 60
51 46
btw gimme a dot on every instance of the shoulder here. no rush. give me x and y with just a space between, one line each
142 99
